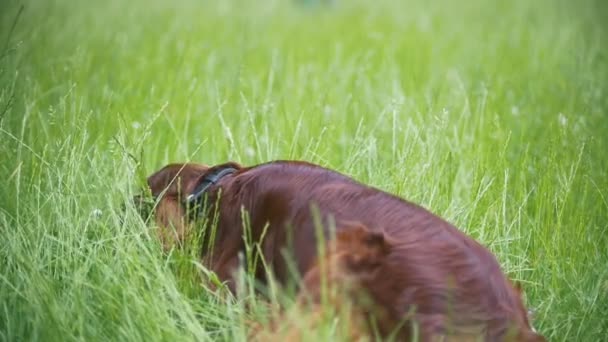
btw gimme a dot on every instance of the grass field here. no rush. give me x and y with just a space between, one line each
491 114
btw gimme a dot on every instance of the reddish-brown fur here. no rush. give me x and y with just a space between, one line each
334 286
451 283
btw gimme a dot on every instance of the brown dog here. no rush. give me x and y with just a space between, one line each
446 282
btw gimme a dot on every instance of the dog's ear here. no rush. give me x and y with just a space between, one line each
359 238
176 179
363 250
377 241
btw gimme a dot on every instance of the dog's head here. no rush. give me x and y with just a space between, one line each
164 200
174 194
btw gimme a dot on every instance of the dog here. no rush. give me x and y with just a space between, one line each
444 281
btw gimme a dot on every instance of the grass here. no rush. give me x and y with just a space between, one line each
491 114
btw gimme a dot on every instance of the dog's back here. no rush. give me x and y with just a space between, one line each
452 283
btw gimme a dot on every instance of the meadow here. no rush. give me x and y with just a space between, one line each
490 114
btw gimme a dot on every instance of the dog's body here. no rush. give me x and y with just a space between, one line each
452 283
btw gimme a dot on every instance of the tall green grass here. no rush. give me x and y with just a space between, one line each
491 114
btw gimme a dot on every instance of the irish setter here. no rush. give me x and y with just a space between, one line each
428 277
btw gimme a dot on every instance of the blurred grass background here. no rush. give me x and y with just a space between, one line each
491 114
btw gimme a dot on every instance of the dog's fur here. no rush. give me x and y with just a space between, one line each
449 283
335 287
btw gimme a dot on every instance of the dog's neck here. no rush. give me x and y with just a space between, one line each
210 179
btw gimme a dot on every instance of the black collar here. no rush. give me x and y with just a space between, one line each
196 197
